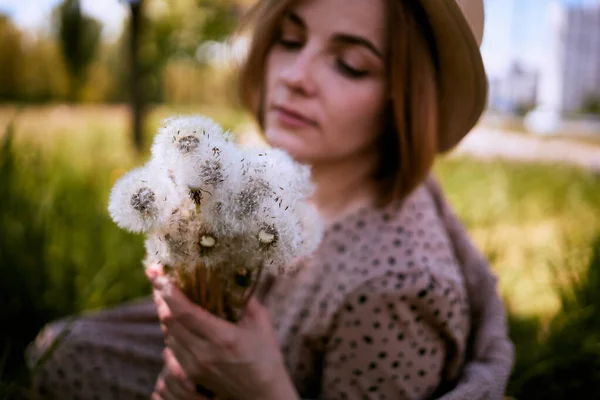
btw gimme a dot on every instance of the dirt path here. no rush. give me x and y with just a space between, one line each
491 143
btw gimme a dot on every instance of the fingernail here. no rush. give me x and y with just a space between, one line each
151 273
160 302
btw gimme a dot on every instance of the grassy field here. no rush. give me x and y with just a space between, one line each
60 253
526 218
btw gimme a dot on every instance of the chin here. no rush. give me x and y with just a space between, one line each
294 146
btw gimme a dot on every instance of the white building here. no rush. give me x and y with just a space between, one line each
514 91
572 74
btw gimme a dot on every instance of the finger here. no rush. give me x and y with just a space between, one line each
193 367
175 370
171 325
196 319
155 396
254 310
196 345
190 365
161 390
176 380
151 273
186 360
157 303
154 270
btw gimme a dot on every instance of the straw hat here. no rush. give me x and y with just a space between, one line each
458 30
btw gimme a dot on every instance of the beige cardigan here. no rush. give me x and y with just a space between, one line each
491 353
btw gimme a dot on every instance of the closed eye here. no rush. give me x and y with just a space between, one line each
290 44
350 71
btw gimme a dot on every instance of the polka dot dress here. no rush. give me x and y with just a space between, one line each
112 354
380 312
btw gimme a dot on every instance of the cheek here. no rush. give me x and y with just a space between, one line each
356 116
274 64
268 82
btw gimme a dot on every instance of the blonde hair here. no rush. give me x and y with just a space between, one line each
409 141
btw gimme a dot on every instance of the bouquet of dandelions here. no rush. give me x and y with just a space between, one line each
216 215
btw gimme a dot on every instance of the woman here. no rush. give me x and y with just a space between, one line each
396 302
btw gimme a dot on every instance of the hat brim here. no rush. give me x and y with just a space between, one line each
462 80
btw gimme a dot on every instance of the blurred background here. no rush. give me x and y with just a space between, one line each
84 85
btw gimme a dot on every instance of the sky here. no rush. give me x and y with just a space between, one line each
515 29
519 30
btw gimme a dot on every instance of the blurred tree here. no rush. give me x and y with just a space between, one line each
175 29
523 108
221 17
136 91
591 105
79 37
40 83
160 32
11 60
101 84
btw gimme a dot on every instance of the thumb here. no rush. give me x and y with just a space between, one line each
153 271
254 309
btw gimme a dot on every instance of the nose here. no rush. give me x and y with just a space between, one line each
298 74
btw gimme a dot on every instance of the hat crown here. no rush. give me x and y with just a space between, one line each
474 14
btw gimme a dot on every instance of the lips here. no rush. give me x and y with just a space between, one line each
291 117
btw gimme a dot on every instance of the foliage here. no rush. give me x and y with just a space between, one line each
172 32
525 217
59 252
11 58
89 68
591 105
522 109
561 359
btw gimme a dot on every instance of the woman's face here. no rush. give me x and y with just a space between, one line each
326 80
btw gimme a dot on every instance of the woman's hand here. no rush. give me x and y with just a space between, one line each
238 361
173 383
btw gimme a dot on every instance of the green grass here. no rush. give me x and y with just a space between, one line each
525 217
60 253
560 358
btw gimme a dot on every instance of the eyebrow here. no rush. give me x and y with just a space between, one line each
338 37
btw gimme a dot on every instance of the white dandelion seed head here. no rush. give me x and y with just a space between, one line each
157 250
183 136
133 203
178 234
210 202
288 177
275 234
311 228
211 170
170 193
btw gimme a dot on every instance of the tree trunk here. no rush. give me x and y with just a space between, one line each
136 95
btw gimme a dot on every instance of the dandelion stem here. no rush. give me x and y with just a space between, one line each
194 286
218 296
202 282
254 285
211 292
